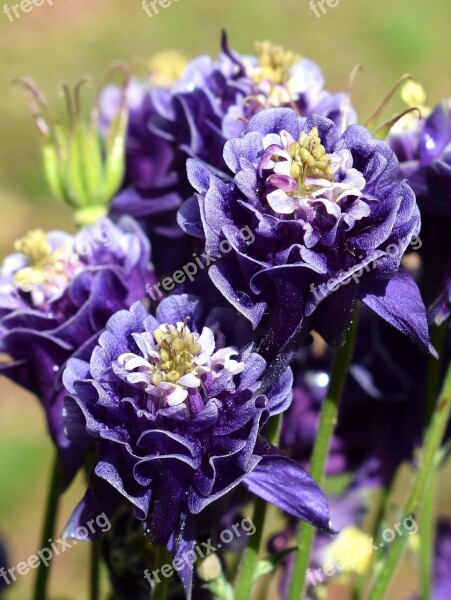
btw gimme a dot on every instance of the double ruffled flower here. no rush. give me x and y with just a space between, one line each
331 224
56 294
424 149
194 116
173 404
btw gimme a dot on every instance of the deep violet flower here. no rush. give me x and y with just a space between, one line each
173 404
212 100
206 105
425 149
56 294
331 224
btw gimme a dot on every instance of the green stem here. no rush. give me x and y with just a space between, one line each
328 419
432 442
94 587
362 580
427 536
249 561
48 529
438 335
161 589
427 540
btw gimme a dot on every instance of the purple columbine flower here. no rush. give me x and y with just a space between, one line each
174 406
431 179
424 149
207 104
212 100
331 224
56 294
281 78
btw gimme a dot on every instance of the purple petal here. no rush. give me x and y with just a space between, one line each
284 483
398 301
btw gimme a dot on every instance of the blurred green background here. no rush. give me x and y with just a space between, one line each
71 38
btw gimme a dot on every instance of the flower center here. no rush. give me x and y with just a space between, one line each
47 270
275 63
38 252
177 352
35 246
309 160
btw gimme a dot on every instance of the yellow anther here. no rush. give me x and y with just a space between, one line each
36 247
43 263
275 63
309 160
167 67
177 351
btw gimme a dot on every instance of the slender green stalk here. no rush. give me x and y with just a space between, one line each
363 580
328 420
427 537
249 562
245 581
427 533
161 589
438 335
94 584
48 529
432 442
